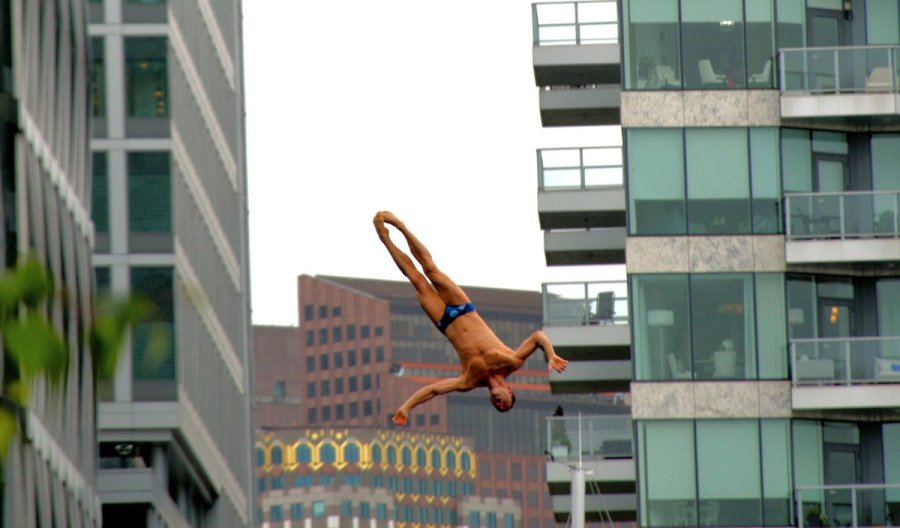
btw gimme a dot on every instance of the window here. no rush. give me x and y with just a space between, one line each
318 508
436 488
323 311
346 509
364 512
718 200
337 334
379 354
532 472
351 358
327 452
712 38
261 484
276 513
311 389
377 480
312 415
310 338
364 331
351 384
304 454
339 411
656 181
765 180
435 419
392 484
296 511
308 312
146 81
367 382
326 480
336 311
508 520
366 356
381 511
474 519
516 470
423 487
323 336
323 362
98 78
351 332
277 455
339 386
260 457
153 359
379 331
406 456
732 489
303 481
407 485
325 388
354 409
491 520
722 326
501 470
100 193
367 408
326 414
310 364
338 360
651 51
532 499
451 488
351 453
277 482
149 196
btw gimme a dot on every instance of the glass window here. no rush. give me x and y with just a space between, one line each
392 455
327 452
366 356
652 53
338 360
661 332
277 482
723 335
312 415
729 493
712 38
508 520
260 457
364 512
323 336
339 386
311 389
303 481
337 334
310 338
491 520
100 192
381 511
296 511
474 519
308 312
376 453
98 77
436 461
149 193
760 44
338 409
776 472
667 473
304 454
326 414
351 358
765 180
367 408
346 508
421 457
318 508
364 331
323 362
808 463
153 341
771 334
354 409
883 22
655 163
323 311
802 312
791 16
351 384
351 453
367 382
276 455
885 177
146 85
325 387
718 180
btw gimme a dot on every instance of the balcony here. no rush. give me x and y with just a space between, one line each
588 325
845 85
605 449
845 373
576 62
580 188
851 226
855 505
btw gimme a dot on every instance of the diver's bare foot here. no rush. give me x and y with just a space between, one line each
379 226
391 218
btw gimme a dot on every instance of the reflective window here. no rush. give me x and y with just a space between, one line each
304 454
661 331
327 452
667 478
146 86
276 455
318 508
729 493
883 22
765 180
722 326
770 321
652 54
761 59
713 44
656 181
98 77
100 193
153 342
718 183
776 471
149 193
351 453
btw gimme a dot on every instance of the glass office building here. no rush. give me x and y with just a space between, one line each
755 205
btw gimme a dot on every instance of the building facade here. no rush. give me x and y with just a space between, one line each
365 346
756 217
169 204
49 470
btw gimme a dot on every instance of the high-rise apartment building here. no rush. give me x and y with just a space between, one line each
169 204
758 221
366 345
49 470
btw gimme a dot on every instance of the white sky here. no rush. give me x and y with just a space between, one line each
428 109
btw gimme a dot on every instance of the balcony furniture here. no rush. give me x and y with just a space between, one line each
677 374
763 77
814 370
879 80
708 76
665 77
606 309
887 369
724 363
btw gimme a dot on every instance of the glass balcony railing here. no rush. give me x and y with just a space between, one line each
849 214
585 303
848 505
840 70
579 168
845 361
572 23
601 437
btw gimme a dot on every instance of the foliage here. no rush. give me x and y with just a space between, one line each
34 347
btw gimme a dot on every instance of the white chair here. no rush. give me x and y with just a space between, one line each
665 77
724 363
763 77
677 374
879 80
707 74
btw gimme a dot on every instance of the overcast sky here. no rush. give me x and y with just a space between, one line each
427 109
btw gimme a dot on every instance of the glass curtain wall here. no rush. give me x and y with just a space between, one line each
100 199
652 55
98 78
655 178
704 326
760 31
714 472
149 201
718 180
712 40
882 22
153 341
146 86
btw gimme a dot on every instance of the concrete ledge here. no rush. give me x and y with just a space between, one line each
846 397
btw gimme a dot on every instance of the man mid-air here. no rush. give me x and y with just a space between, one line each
484 360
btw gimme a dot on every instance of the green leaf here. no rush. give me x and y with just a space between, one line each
34 283
8 429
112 319
37 347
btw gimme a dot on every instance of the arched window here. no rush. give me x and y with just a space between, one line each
435 459
421 457
276 455
465 461
406 456
450 459
376 453
351 453
327 452
260 457
304 454
392 455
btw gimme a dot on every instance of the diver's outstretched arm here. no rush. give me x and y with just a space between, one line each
423 395
540 340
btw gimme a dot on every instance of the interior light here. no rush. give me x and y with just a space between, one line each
833 319
726 23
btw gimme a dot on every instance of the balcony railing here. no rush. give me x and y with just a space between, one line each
845 361
839 70
585 303
848 505
849 214
579 168
573 23
601 437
